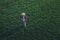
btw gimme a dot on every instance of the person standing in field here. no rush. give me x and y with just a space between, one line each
24 19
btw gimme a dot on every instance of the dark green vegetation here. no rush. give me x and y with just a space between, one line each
43 19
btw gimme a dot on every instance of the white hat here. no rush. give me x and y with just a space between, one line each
23 14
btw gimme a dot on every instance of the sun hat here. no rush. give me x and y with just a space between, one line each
23 14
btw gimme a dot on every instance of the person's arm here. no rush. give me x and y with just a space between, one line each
21 17
26 18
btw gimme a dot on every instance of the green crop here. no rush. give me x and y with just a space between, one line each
43 19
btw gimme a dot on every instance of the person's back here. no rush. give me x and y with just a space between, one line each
23 17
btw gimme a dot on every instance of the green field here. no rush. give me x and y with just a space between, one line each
43 19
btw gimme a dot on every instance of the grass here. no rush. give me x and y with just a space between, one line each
43 19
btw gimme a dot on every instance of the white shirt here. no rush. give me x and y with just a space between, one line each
23 18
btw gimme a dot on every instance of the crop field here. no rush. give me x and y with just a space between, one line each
43 21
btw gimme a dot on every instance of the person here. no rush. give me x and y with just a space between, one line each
24 19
